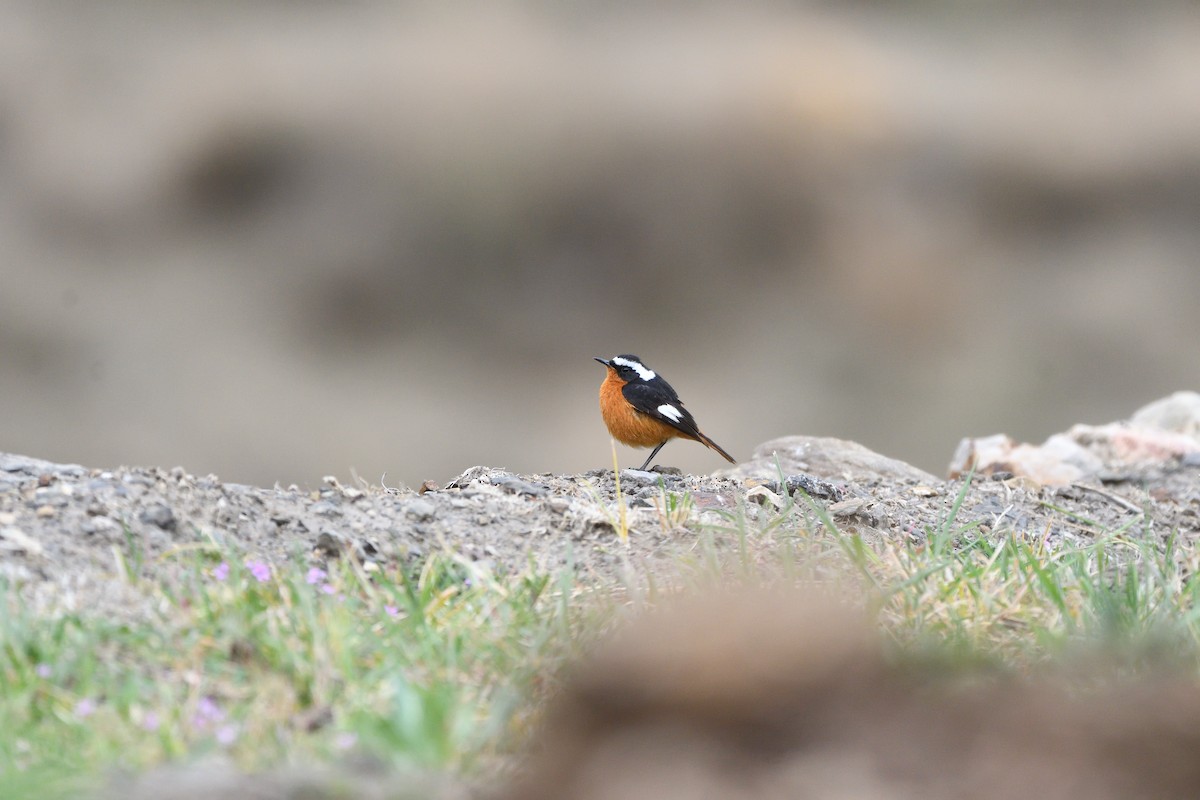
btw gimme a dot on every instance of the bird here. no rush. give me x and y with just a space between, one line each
641 409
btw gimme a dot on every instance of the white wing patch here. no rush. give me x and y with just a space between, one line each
644 372
670 412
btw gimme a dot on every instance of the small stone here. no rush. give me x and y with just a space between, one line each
638 477
764 497
847 508
100 524
428 486
45 479
46 511
711 500
15 539
329 544
1179 412
926 491
511 483
158 515
813 487
468 477
421 509
324 508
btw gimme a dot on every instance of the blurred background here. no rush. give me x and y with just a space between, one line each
282 240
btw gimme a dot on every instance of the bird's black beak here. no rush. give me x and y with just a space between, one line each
604 361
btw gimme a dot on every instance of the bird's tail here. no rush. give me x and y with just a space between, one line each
709 443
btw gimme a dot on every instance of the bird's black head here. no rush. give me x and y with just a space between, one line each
628 368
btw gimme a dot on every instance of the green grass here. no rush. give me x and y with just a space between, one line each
445 667
431 669
1004 597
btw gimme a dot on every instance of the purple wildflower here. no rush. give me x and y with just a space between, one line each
85 708
391 611
316 575
328 589
260 570
150 721
221 571
227 734
345 740
43 670
208 713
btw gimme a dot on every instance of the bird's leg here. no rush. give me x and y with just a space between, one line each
653 453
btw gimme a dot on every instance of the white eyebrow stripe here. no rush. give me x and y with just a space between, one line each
644 372
670 412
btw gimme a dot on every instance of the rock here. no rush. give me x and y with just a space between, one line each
1059 461
824 457
764 497
514 485
774 695
329 544
1179 413
1162 431
14 539
159 515
420 509
324 508
848 508
468 476
808 484
11 462
638 477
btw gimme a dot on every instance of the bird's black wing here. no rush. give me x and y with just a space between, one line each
657 399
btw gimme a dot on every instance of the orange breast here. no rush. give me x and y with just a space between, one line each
627 425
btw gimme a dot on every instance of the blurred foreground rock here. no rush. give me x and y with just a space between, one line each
785 695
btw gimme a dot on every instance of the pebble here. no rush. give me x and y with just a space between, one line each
159 515
421 509
15 539
639 477
329 544
813 487
511 483
764 497
324 508
848 508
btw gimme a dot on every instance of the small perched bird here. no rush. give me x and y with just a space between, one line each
642 410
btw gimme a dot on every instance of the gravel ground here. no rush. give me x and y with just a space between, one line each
70 534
